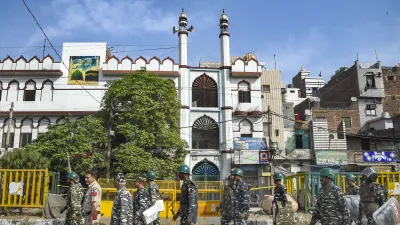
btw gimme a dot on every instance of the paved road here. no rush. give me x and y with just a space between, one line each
201 221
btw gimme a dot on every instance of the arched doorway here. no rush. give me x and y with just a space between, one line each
205 171
204 92
205 133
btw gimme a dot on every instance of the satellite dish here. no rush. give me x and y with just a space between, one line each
353 99
307 112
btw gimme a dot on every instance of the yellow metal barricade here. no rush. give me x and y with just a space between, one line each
29 188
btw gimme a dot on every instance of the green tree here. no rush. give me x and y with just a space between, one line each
24 159
84 139
146 114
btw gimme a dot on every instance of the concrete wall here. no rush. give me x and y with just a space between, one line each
321 136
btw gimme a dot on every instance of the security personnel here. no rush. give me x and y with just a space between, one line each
154 191
372 195
352 188
73 200
241 198
331 208
92 200
141 201
188 201
227 204
283 214
122 211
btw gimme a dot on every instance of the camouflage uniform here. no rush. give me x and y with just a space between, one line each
283 210
74 200
241 202
352 190
227 203
122 211
331 207
188 202
154 193
372 196
141 202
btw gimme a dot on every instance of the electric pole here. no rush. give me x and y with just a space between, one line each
109 145
9 126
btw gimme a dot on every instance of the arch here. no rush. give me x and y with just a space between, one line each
205 133
60 120
168 58
246 128
43 125
34 57
12 91
48 56
244 90
30 90
30 82
12 132
205 170
26 132
47 90
204 92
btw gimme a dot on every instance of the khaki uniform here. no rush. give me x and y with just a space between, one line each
93 194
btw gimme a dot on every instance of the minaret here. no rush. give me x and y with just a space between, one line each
183 90
226 97
224 39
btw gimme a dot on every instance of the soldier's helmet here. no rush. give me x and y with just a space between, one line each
369 173
326 172
120 178
351 177
73 176
140 179
151 175
278 176
237 171
184 169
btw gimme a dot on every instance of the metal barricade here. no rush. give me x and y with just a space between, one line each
30 188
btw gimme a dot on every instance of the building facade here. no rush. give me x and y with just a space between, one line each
213 99
309 86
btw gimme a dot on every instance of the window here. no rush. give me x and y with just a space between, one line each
246 128
29 95
299 141
315 92
266 88
390 77
205 133
26 138
371 109
277 132
347 122
291 91
3 145
246 135
244 92
204 92
370 81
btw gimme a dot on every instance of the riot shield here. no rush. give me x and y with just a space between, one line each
353 205
388 213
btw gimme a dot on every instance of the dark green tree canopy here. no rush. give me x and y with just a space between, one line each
146 113
24 159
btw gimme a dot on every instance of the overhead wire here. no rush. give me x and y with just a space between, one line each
55 49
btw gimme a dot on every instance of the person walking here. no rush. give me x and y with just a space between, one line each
154 192
92 200
73 200
352 188
241 198
282 210
189 199
331 207
227 204
141 201
122 211
372 195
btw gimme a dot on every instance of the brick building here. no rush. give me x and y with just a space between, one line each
391 80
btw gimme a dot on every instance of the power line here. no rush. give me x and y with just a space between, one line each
55 49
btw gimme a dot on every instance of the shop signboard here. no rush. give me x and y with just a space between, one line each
249 143
331 157
244 157
379 157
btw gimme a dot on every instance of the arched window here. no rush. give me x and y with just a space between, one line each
205 133
30 91
5 130
26 132
12 92
244 92
47 91
43 125
246 128
204 92
205 171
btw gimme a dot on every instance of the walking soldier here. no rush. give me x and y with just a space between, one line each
141 201
74 200
122 211
154 191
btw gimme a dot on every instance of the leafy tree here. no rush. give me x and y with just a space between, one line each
146 113
84 139
24 159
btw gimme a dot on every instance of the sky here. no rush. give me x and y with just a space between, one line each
321 35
